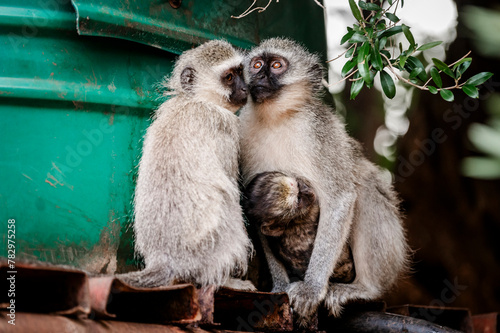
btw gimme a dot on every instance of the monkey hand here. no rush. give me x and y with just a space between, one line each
305 298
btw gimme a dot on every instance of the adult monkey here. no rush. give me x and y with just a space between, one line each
287 128
188 220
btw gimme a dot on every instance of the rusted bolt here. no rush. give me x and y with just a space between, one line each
175 3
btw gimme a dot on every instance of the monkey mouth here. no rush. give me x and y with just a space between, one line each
239 99
261 93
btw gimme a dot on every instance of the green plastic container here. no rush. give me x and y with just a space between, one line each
77 89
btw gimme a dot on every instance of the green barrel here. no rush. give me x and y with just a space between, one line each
77 90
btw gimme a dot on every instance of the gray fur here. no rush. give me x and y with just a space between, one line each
296 133
188 220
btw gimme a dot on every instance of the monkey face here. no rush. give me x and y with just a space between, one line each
265 71
233 79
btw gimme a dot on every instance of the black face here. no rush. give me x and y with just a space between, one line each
265 72
233 78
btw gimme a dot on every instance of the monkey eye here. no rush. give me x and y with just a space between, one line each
257 64
229 77
277 65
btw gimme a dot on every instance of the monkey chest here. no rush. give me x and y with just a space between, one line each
279 149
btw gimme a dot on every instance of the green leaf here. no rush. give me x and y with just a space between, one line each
443 67
479 78
415 72
413 63
485 138
382 43
348 67
390 2
388 86
408 34
349 53
347 36
358 38
481 167
447 95
368 6
355 11
436 77
356 88
428 46
402 60
433 90
462 68
392 17
390 32
376 59
364 50
471 91
461 62
381 25
364 71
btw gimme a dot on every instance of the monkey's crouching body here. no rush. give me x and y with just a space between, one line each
187 198
188 220
286 127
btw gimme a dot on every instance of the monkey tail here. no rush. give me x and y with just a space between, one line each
147 278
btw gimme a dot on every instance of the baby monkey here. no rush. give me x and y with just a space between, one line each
285 210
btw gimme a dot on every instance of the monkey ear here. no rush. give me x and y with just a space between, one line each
187 78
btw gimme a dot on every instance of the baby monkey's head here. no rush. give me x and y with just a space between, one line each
274 199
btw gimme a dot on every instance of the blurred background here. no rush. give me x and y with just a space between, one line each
444 158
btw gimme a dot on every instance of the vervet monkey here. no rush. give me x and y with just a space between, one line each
285 210
188 219
286 127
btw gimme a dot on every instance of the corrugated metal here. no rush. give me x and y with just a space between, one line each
157 23
73 111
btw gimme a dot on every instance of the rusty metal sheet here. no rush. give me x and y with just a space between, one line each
486 323
42 323
112 298
45 289
252 311
456 318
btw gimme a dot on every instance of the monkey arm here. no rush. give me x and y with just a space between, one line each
277 269
333 231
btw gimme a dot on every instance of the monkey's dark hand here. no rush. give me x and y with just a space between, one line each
305 298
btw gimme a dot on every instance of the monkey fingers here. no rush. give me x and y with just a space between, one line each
304 299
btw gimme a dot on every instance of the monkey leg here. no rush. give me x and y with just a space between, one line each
278 271
378 246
